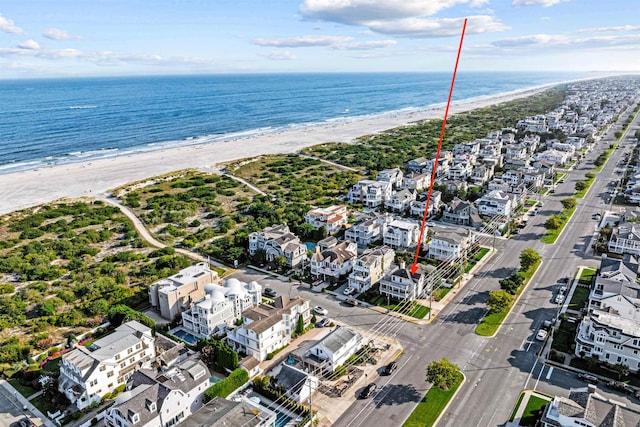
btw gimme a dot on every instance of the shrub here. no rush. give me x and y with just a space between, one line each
224 388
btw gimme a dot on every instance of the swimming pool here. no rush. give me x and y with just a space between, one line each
185 336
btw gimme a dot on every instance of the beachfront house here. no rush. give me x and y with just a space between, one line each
276 241
401 200
370 193
392 176
89 373
418 165
175 294
370 267
332 218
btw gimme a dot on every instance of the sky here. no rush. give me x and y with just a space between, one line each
68 38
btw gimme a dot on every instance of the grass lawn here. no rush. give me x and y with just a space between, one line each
492 321
44 404
564 336
530 414
587 274
24 390
431 406
419 311
579 298
440 293
608 153
482 251
551 235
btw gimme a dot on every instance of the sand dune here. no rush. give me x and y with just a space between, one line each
28 188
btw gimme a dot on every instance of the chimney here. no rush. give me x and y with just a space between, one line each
402 265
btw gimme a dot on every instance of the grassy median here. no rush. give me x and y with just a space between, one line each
432 405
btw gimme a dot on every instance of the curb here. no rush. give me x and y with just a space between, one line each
444 410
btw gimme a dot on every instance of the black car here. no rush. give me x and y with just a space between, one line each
368 391
270 292
390 368
24 422
591 379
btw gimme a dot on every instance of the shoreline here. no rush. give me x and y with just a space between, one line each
92 177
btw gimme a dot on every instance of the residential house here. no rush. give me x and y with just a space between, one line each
460 171
368 230
159 399
334 262
516 152
494 203
472 147
417 181
461 213
370 193
454 185
577 141
512 177
175 294
418 165
586 407
563 146
332 218
443 166
392 176
298 384
481 174
401 200
625 239
221 307
276 241
402 284
401 233
370 267
88 373
419 205
555 157
449 244
533 178
334 349
268 327
220 412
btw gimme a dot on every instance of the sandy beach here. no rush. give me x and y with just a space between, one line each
33 187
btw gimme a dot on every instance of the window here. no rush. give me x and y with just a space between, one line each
103 368
133 359
109 374
138 346
129 350
117 357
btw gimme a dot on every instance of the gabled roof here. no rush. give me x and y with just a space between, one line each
338 338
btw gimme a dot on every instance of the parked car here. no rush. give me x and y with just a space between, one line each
431 224
368 391
270 292
541 335
390 368
559 299
23 422
349 291
563 290
320 310
591 379
351 301
324 322
620 386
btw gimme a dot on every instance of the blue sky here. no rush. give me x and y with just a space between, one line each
60 38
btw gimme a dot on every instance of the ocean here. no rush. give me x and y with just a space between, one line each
51 121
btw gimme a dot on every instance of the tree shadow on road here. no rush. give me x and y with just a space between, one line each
398 394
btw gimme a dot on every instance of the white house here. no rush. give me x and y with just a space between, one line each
419 205
449 244
159 399
460 171
88 373
417 181
402 284
334 262
173 295
401 200
625 239
221 307
392 176
331 218
368 230
334 349
276 241
370 267
298 384
268 327
555 157
494 203
370 193
402 233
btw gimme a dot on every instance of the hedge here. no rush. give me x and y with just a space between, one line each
224 388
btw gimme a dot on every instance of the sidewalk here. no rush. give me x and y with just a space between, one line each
11 393
523 405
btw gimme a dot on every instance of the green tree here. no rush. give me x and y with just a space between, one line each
300 325
280 261
442 373
528 258
581 185
499 300
569 203
553 222
621 369
511 284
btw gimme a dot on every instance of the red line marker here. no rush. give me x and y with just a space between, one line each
414 267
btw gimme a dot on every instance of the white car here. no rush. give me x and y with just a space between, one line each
431 224
348 291
541 335
320 310
559 299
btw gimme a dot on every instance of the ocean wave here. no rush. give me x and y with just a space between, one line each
82 107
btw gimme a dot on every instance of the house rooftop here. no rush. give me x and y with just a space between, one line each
338 338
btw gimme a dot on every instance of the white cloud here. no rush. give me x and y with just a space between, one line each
58 34
29 44
368 45
545 18
543 3
304 41
444 27
534 39
610 29
560 41
356 12
7 26
279 55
